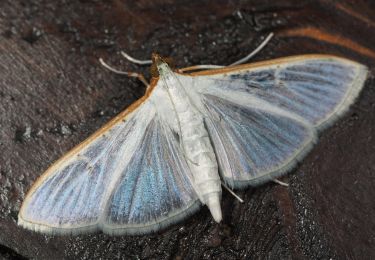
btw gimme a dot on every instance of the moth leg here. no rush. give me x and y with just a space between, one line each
243 60
232 192
134 60
129 74
280 182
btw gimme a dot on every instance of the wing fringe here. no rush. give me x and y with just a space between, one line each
351 96
153 227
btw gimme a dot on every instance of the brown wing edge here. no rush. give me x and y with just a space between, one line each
271 62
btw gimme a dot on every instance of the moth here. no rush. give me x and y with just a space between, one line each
191 133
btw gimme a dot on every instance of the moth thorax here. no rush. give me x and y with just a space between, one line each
155 62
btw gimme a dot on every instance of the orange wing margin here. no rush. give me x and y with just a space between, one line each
263 64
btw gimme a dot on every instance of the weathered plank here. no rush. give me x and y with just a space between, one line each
53 94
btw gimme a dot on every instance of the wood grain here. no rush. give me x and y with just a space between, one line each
54 94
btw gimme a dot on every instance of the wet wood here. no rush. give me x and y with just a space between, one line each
54 94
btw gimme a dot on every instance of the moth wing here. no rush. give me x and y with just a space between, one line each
133 167
317 88
155 189
262 117
255 143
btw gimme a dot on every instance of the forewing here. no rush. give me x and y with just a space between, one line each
317 88
133 167
71 195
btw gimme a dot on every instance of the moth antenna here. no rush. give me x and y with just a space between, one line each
105 65
280 182
243 60
254 52
232 192
129 74
134 60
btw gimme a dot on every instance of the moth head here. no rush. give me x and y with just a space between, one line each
160 64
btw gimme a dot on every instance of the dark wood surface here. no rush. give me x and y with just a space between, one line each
54 93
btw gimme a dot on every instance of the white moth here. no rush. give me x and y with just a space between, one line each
172 150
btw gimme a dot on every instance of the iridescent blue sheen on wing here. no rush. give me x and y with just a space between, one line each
315 89
251 144
73 197
133 178
268 113
155 187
